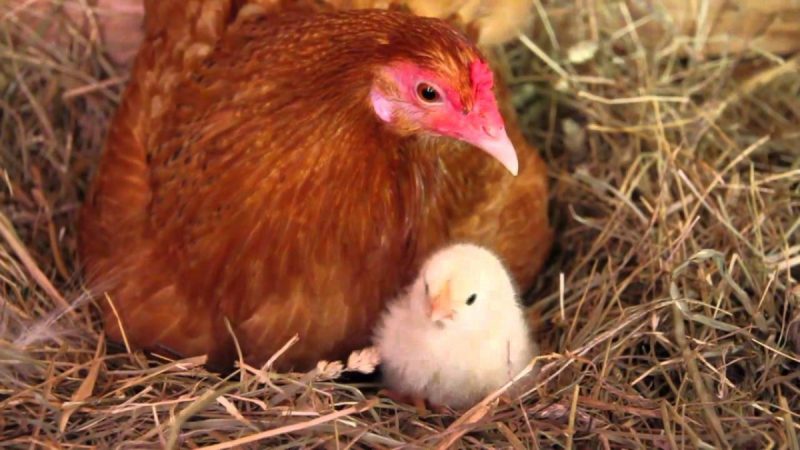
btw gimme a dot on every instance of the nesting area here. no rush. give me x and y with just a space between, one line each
668 312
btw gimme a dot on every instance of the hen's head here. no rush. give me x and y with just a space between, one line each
435 82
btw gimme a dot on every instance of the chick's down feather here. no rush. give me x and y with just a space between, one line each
458 333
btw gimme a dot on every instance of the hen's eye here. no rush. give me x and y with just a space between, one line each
428 93
471 299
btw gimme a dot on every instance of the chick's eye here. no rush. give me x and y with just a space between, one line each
471 299
428 93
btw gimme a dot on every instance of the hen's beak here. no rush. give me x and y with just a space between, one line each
496 143
441 305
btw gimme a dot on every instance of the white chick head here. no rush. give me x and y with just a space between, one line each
463 285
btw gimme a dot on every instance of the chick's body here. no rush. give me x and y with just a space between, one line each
247 177
455 361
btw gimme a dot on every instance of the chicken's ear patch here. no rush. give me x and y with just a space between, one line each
382 106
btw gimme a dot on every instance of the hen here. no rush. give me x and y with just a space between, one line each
288 169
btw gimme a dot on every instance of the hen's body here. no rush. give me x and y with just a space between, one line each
245 178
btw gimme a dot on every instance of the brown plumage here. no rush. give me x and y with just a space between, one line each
246 177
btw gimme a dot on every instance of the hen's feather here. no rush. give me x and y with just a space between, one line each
235 184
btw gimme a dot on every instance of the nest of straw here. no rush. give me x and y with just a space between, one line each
670 309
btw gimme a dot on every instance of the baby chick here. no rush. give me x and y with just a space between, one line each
457 334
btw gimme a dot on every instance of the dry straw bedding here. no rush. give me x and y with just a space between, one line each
670 310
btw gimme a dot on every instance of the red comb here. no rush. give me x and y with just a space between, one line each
482 79
481 74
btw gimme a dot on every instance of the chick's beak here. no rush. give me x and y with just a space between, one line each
441 305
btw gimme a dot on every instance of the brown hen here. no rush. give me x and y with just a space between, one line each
264 167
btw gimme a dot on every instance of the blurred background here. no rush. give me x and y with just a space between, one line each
669 311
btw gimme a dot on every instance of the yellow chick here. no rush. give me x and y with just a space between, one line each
457 334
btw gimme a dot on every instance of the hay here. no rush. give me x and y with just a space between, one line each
670 308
